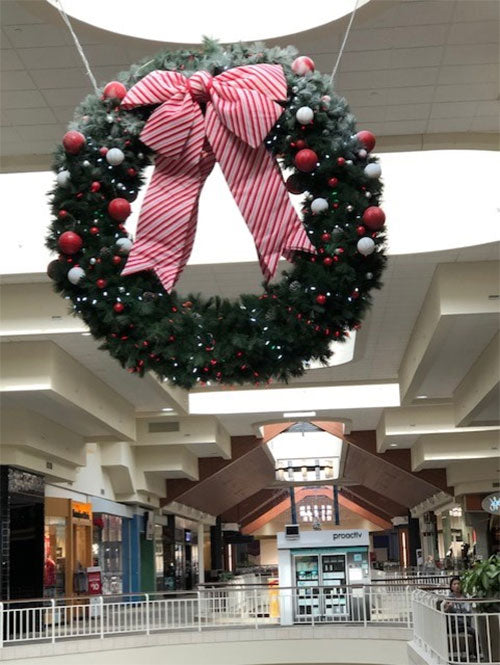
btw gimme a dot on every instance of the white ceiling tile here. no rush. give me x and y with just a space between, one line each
417 95
9 60
370 39
16 80
477 32
408 112
25 36
66 77
50 132
41 147
425 12
453 109
451 93
425 35
34 116
488 108
404 127
469 11
468 74
107 54
4 40
487 124
64 114
417 57
21 99
50 56
449 124
367 97
365 60
9 134
66 96
471 54
17 13
370 113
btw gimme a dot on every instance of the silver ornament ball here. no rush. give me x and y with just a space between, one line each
373 170
305 115
76 274
63 178
115 156
124 245
319 205
365 246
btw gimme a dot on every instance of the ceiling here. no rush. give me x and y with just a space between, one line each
418 73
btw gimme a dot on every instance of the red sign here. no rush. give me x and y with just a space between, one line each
94 581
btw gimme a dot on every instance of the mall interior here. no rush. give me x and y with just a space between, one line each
320 520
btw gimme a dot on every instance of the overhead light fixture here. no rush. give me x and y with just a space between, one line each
299 414
167 408
86 334
188 23
421 397
393 445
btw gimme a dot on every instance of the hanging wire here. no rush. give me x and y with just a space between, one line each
341 52
78 46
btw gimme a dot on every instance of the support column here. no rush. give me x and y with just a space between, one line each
413 538
479 522
293 507
336 505
201 553
216 547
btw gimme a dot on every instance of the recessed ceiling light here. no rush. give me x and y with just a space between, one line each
299 414
394 445
422 397
86 334
167 408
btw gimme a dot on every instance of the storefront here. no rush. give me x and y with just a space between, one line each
67 546
108 551
176 553
22 518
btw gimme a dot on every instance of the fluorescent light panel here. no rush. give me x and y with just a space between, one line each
299 414
360 396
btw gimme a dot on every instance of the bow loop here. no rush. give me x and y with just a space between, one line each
199 86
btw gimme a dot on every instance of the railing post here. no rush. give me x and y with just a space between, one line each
1 625
312 608
101 614
53 606
198 594
255 608
147 613
363 598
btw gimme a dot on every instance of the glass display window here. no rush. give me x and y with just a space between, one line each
107 551
55 556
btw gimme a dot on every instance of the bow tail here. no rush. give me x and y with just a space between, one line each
257 187
167 224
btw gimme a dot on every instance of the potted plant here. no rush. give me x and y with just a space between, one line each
483 581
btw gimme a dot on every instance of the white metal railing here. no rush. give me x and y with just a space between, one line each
449 630
250 606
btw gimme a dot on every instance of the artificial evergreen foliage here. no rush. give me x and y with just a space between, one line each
188 339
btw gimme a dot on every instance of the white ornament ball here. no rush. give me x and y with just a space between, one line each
349 208
86 163
76 274
319 205
373 170
368 195
115 156
303 65
362 153
124 245
63 178
305 115
366 246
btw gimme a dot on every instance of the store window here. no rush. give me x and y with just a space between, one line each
107 552
55 557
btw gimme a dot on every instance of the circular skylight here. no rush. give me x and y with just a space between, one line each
189 22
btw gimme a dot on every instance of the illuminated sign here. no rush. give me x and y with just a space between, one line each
80 510
491 503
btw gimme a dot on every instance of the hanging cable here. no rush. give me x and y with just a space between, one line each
78 46
344 41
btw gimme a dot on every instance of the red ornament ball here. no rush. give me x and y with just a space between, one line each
321 299
116 260
73 142
333 182
70 242
360 230
327 261
94 230
293 185
114 90
340 161
62 214
367 139
103 151
303 65
306 160
326 237
119 209
374 218
95 186
101 283
300 144
131 173
118 307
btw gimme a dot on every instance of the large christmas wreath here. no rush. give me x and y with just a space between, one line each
259 112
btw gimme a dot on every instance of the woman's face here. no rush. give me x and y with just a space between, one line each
456 587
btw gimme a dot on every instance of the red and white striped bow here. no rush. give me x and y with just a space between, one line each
239 112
